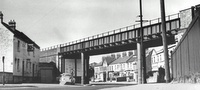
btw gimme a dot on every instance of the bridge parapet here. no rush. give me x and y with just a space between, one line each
125 35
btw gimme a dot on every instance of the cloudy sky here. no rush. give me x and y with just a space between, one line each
53 22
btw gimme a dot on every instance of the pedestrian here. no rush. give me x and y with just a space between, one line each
161 75
72 77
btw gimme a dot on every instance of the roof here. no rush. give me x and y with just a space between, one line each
148 61
21 35
109 60
132 58
93 64
122 59
99 64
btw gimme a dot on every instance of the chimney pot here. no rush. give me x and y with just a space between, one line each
1 16
12 24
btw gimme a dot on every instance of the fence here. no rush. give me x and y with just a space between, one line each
186 56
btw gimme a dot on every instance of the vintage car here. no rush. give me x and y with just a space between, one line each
67 79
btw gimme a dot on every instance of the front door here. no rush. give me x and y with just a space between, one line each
104 76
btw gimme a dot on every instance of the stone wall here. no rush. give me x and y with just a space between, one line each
185 17
8 77
50 55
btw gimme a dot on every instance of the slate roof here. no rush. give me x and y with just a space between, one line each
124 59
109 60
21 35
99 64
132 58
148 61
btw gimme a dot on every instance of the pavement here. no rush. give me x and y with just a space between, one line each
159 86
113 83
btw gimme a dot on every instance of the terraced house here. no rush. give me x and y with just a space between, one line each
124 68
20 52
117 68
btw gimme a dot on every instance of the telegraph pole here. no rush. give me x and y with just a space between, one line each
141 52
164 39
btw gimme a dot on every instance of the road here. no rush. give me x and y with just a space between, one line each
58 87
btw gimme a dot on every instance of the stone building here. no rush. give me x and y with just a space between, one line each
50 54
20 52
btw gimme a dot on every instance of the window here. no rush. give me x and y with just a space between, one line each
33 53
23 45
117 66
28 65
17 65
18 46
28 53
161 58
35 68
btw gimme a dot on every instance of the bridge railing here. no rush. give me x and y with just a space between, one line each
124 33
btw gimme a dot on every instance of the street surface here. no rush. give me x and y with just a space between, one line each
57 87
102 86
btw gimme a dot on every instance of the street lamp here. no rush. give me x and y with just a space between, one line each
3 70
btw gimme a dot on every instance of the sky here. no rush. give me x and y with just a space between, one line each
53 22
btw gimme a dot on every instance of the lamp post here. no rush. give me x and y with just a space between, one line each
3 70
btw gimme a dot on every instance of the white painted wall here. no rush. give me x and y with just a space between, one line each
6 49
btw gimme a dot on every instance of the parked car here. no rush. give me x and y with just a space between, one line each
66 79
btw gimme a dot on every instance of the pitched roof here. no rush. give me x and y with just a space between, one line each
109 60
93 64
21 35
148 61
132 58
99 64
122 59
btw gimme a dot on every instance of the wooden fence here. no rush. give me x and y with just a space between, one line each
186 56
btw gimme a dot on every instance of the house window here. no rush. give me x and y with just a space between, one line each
23 45
28 64
161 58
18 46
33 53
28 53
18 65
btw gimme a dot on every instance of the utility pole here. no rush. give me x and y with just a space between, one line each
3 70
141 52
164 39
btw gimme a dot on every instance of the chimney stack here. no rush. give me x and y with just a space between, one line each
1 16
12 24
